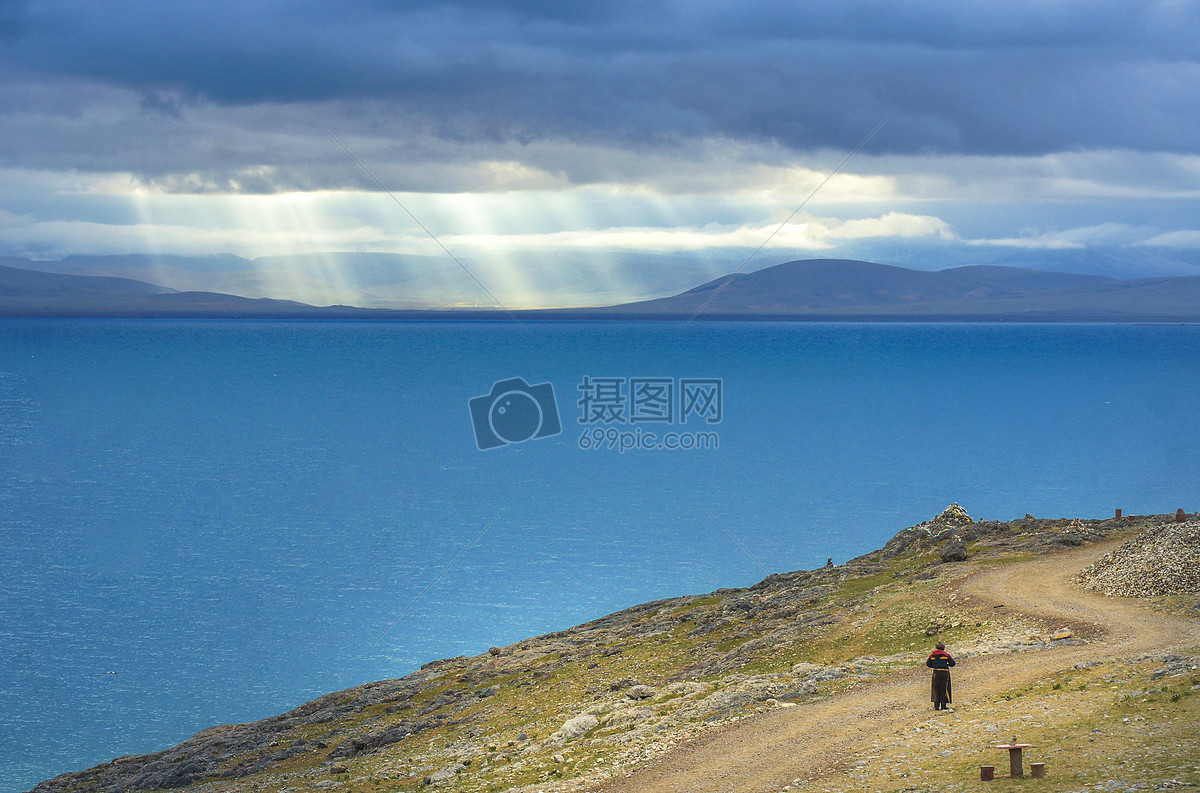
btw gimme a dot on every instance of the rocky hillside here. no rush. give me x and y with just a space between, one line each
586 702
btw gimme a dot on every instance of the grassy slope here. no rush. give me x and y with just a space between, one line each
1112 722
490 720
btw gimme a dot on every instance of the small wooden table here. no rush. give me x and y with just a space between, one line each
1016 767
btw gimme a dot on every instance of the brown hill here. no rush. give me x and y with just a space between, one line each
843 288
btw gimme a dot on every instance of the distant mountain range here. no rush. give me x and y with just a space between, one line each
31 293
813 289
404 281
550 279
843 288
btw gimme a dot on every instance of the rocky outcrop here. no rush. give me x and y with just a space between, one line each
948 525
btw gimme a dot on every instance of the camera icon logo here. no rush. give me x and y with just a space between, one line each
514 411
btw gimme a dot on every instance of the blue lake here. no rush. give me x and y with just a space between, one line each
210 522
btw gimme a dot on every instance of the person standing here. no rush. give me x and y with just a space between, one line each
940 662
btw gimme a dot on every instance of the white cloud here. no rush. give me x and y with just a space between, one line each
803 234
1106 235
1175 239
1045 242
280 230
120 213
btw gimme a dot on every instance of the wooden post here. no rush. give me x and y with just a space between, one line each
1118 514
1037 770
987 773
1015 767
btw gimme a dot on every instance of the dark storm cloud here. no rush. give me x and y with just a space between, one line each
986 77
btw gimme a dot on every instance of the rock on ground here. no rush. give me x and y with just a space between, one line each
578 726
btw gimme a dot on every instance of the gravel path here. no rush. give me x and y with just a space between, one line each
821 739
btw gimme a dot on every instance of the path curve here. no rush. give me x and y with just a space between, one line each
819 739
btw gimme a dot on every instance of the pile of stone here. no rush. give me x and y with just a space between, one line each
948 525
953 516
1164 560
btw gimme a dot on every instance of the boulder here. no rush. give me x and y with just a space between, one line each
804 669
580 725
686 688
641 692
954 551
445 774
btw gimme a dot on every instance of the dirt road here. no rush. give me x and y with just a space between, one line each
818 739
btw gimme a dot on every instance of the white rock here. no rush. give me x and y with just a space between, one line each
686 688
446 774
578 726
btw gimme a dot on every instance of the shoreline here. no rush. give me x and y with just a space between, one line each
615 692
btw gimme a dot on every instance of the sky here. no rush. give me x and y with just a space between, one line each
589 134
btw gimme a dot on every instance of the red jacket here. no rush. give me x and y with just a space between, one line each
939 659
